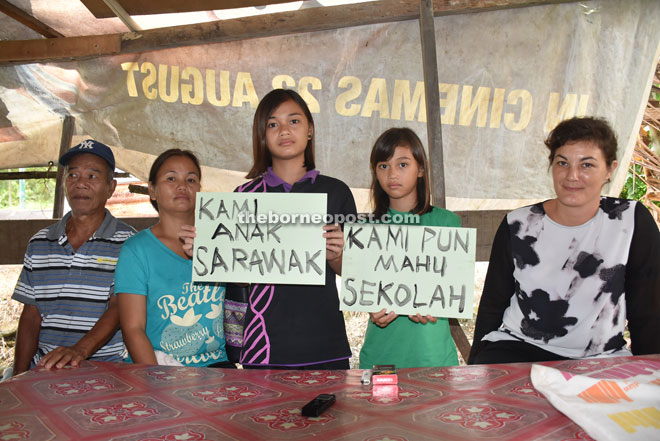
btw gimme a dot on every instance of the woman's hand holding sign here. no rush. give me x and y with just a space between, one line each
187 236
382 318
423 319
334 246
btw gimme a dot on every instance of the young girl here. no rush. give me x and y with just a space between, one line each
164 316
400 185
295 326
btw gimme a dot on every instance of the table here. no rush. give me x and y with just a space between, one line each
119 401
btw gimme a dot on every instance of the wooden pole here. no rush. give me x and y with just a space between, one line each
434 131
65 144
26 19
432 95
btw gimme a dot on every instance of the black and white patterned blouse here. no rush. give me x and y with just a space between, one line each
569 290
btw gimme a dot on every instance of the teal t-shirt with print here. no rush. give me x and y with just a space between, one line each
403 342
184 319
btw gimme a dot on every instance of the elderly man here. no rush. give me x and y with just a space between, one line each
69 312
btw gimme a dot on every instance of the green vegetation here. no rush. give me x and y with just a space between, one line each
635 187
38 193
643 168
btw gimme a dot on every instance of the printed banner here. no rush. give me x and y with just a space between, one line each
260 238
506 78
408 269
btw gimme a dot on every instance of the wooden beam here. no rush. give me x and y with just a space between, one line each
98 8
138 189
434 136
147 7
68 125
283 23
31 22
460 339
15 176
432 95
15 234
486 222
304 20
59 49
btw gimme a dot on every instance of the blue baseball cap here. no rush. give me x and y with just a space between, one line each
93 147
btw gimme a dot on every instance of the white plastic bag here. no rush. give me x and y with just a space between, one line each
622 404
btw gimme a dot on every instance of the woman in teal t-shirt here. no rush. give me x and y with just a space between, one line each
163 314
400 186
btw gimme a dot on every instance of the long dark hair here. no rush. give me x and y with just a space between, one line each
265 109
383 150
160 160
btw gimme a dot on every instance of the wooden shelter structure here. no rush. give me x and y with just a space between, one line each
55 46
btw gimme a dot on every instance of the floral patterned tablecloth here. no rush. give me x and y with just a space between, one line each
117 401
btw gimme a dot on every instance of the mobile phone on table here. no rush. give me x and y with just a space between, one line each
318 405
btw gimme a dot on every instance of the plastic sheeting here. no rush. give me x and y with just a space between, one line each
507 77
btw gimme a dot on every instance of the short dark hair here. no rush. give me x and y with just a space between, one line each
383 150
261 156
585 128
160 160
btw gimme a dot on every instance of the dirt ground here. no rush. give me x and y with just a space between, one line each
9 313
356 322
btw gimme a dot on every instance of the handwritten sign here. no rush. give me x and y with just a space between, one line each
260 238
408 269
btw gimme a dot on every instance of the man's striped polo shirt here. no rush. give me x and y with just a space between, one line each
71 288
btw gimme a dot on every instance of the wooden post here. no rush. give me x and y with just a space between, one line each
26 19
434 131
65 144
432 95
